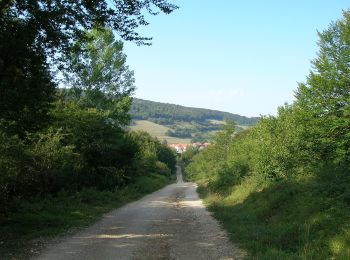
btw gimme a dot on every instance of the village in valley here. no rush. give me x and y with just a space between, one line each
180 148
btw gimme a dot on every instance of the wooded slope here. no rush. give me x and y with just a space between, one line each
165 113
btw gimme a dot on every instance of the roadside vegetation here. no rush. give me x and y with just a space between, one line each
65 154
281 188
33 223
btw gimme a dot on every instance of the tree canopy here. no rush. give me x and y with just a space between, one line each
98 76
325 96
57 22
36 35
26 85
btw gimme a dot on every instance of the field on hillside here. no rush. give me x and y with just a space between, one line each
180 124
157 131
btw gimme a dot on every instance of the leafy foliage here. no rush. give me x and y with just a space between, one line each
62 151
98 76
82 143
314 131
42 33
26 86
325 97
151 152
56 23
80 150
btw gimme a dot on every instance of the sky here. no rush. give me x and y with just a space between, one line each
240 56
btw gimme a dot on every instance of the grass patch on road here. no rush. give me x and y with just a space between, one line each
307 218
31 223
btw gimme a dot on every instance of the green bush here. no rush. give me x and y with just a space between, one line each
151 152
13 163
162 168
54 165
83 148
107 151
40 165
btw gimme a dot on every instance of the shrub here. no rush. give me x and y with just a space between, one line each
13 160
54 164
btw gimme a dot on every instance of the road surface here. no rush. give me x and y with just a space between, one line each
171 223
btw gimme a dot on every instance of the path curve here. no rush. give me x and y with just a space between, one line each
171 223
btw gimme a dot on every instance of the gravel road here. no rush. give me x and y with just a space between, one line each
171 223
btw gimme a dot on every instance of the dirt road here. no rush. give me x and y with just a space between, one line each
171 223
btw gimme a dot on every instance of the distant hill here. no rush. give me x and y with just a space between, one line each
180 124
164 113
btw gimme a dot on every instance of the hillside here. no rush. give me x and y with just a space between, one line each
167 113
180 124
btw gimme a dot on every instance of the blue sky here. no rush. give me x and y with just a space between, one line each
240 56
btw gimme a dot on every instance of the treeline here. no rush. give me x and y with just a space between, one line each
166 114
181 133
54 140
283 185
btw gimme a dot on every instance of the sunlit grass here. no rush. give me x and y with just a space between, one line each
307 219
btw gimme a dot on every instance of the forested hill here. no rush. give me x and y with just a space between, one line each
145 109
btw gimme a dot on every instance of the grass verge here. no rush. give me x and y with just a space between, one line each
308 218
32 223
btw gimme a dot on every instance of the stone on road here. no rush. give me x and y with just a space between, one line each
171 223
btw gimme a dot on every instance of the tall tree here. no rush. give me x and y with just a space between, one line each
26 86
35 34
325 97
98 75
